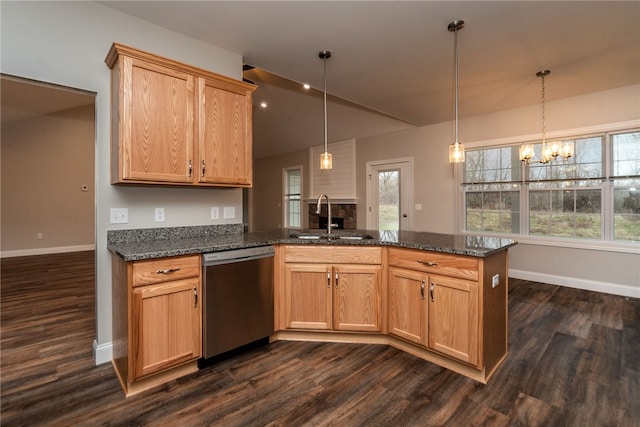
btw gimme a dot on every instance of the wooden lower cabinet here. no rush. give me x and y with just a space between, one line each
441 307
453 318
408 305
167 326
308 296
331 296
157 320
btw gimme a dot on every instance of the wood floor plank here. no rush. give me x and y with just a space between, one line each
573 361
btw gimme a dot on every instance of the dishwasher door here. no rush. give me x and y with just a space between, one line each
237 299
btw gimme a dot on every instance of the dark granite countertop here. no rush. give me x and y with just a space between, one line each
141 244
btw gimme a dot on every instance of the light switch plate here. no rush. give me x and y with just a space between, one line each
215 213
229 212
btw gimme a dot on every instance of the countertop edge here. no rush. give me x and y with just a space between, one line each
189 246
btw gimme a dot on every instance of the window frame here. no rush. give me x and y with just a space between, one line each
606 241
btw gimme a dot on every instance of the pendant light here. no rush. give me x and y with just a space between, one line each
325 158
552 150
456 150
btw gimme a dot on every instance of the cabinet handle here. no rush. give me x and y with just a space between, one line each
195 297
428 263
328 279
190 166
203 168
336 278
422 290
431 292
168 270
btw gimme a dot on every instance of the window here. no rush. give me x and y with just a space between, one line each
292 190
626 186
593 195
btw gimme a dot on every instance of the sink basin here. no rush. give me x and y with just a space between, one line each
305 236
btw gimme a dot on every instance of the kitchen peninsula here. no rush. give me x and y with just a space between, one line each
440 297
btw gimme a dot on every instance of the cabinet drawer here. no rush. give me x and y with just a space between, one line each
435 262
165 269
333 254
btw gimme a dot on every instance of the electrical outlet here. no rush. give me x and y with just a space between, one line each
119 216
215 213
159 214
495 280
229 212
40 236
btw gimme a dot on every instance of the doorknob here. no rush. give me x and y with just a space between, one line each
404 215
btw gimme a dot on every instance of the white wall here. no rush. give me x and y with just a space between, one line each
66 43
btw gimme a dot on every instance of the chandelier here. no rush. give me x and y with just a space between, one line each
550 150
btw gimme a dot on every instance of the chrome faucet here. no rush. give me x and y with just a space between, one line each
328 211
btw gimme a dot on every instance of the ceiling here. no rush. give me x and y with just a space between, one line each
392 61
23 98
396 57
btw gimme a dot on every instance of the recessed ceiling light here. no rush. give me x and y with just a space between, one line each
264 104
306 86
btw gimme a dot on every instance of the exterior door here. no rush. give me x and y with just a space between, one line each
389 189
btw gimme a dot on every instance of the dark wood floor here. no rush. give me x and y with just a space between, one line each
574 361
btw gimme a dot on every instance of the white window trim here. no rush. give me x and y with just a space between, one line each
601 245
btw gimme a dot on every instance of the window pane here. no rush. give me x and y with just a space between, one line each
574 213
389 200
587 162
626 202
492 165
292 198
495 211
626 154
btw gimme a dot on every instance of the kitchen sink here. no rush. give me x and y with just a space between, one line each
310 236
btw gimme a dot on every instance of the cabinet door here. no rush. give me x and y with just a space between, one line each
453 318
307 290
408 305
157 123
224 135
356 298
166 325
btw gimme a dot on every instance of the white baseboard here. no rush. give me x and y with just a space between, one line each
102 353
45 251
572 282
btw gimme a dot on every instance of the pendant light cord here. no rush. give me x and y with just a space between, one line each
325 104
455 48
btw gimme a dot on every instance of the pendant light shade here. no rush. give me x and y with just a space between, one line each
326 162
456 150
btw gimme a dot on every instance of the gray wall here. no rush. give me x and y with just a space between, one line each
45 162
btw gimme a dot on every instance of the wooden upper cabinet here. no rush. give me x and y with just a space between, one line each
175 124
224 134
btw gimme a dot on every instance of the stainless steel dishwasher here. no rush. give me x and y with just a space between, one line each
237 299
